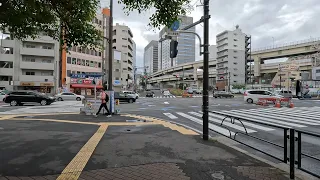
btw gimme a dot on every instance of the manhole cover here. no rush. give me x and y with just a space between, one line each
218 175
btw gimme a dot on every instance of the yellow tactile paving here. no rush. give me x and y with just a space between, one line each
55 120
172 126
75 167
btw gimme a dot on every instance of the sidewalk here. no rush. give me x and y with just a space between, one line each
133 147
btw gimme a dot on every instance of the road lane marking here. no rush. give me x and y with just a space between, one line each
55 120
211 126
171 116
226 123
77 164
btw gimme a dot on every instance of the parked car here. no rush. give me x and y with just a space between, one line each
252 96
166 93
124 97
150 94
21 97
221 94
69 96
197 91
284 93
136 95
2 95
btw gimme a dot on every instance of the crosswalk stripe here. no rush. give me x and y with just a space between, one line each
226 123
261 117
309 112
171 116
211 126
294 113
245 123
280 117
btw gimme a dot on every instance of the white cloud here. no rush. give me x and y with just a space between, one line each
285 21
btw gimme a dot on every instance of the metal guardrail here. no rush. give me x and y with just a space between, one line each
291 137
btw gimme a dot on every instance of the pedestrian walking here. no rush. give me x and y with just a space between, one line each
104 99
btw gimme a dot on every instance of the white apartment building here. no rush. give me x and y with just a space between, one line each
123 42
150 58
30 64
186 46
230 58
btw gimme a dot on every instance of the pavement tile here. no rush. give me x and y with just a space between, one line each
12 178
3 178
38 178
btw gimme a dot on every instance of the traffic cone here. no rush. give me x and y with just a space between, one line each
277 105
291 105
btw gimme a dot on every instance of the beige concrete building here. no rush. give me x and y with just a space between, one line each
29 64
123 69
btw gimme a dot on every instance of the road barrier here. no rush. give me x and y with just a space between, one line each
284 146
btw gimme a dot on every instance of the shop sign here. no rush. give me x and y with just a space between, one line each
46 84
26 84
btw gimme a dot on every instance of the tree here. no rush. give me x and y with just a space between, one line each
238 86
30 18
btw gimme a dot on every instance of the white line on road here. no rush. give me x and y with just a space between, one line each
171 116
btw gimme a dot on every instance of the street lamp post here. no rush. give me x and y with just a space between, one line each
110 47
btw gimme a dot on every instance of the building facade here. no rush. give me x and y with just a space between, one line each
30 64
186 46
123 42
230 58
150 58
79 61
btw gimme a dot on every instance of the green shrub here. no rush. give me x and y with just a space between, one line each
176 92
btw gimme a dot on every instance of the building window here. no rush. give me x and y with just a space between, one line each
235 63
30 46
317 70
99 65
74 48
30 73
235 69
91 64
235 39
46 47
124 39
46 60
117 70
235 57
87 63
307 47
74 60
68 73
235 51
124 46
69 60
235 45
46 73
117 78
78 61
235 81
79 49
28 59
83 62
124 31
96 53
87 51
235 34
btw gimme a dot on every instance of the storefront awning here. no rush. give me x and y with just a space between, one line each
91 86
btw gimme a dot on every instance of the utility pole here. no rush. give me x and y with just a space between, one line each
229 81
206 70
110 47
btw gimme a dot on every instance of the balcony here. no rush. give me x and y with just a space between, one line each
33 65
4 83
36 78
129 47
130 33
37 52
129 54
7 43
7 57
130 41
6 71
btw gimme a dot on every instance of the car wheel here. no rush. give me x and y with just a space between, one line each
59 99
137 97
43 102
232 96
78 99
130 101
13 103
249 101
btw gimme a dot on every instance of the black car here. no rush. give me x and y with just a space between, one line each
20 97
221 94
124 97
150 94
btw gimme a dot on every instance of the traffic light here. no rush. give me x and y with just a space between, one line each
173 49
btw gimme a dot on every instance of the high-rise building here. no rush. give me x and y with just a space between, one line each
230 58
151 57
30 64
186 46
123 42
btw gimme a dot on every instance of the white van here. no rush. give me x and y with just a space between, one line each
131 93
252 96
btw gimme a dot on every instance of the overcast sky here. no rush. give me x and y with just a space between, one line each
283 20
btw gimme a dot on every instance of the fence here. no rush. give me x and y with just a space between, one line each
284 145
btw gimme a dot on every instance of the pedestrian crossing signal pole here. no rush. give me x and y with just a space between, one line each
205 97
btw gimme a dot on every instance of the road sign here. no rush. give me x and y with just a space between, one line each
175 26
172 33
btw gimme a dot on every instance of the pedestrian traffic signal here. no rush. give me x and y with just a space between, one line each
173 49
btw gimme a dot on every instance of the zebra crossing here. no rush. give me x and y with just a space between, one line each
171 96
301 117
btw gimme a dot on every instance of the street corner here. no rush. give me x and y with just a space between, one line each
38 148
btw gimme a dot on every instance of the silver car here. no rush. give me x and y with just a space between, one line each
69 96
